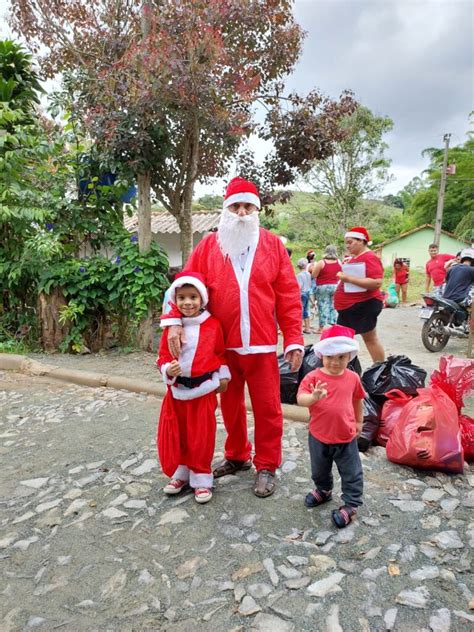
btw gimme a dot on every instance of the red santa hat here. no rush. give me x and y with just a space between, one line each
359 232
189 278
335 340
241 190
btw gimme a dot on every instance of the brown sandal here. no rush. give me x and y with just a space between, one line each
265 483
225 467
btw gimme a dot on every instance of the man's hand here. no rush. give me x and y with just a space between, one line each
222 386
175 339
294 359
342 277
359 427
174 369
319 391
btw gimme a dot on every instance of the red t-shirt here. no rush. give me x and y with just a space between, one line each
373 270
332 419
327 276
401 275
435 268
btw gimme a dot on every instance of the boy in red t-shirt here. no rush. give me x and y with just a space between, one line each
334 396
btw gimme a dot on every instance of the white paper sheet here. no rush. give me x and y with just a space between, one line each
356 270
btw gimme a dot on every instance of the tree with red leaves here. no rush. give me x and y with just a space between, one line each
167 87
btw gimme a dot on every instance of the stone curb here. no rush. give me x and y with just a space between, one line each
22 364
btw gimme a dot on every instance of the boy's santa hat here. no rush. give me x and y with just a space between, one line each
189 278
335 340
241 190
359 232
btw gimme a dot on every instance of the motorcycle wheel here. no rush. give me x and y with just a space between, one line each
433 336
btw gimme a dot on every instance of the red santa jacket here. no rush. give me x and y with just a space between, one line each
248 303
203 352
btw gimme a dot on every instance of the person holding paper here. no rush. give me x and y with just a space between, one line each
358 298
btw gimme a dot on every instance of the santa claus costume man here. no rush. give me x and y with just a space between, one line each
252 287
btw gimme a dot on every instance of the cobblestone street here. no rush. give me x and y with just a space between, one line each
89 542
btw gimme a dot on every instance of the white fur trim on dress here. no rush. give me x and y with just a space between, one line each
189 280
245 198
182 473
335 346
356 235
200 480
184 393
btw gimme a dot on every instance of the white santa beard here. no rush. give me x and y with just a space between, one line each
235 233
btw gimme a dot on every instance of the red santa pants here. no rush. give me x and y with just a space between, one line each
260 372
196 419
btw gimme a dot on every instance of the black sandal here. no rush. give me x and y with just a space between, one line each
316 498
343 516
264 483
225 467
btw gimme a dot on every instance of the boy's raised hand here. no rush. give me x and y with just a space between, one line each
174 369
319 391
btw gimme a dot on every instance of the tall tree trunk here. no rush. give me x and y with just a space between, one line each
145 329
144 212
185 222
49 308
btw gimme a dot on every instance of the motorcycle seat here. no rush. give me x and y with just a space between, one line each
449 303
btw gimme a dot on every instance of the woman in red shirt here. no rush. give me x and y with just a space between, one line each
400 278
325 273
358 298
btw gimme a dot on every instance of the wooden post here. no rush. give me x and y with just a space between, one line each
442 186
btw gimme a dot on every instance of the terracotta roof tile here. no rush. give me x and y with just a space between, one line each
164 222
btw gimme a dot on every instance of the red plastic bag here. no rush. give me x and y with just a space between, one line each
396 400
456 377
169 448
427 434
467 436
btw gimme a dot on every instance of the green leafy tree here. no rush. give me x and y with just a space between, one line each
459 192
356 169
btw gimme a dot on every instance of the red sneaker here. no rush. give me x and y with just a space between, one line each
202 495
175 486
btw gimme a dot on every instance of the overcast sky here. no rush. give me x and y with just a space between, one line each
412 60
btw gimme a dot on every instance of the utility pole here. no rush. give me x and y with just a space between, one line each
442 186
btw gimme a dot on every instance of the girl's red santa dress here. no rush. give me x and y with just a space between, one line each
187 424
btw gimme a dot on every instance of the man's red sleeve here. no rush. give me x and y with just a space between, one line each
288 301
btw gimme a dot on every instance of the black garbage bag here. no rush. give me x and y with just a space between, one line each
372 412
289 382
395 372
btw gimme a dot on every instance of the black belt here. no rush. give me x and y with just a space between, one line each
191 382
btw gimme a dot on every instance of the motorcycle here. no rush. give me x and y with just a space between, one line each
443 318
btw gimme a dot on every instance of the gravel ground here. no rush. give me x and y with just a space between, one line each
89 542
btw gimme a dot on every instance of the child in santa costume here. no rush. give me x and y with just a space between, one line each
187 425
334 396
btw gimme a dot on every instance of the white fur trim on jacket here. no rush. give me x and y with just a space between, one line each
292 347
224 373
166 378
184 393
246 198
335 346
167 322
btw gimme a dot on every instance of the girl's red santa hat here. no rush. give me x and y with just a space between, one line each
359 232
189 278
241 190
335 340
